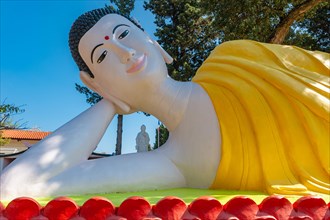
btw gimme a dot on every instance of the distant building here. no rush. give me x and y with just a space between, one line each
20 141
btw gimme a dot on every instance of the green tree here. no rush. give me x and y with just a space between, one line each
183 31
125 7
312 32
7 112
3 141
163 134
190 29
268 21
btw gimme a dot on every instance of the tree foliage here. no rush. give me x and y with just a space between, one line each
91 97
163 134
3 141
183 31
190 29
294 13
7 112
312 33
124 6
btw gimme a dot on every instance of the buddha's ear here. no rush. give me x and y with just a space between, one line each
88 81
168 59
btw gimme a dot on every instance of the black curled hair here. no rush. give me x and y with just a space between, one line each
79 28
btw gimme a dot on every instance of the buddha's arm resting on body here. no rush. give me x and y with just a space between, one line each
58 164
67 146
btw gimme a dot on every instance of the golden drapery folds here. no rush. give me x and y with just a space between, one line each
272 103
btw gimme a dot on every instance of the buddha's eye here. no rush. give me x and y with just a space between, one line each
101 58
123 35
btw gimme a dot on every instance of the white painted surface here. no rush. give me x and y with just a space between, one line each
58 165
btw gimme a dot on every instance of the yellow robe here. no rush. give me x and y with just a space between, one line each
272 103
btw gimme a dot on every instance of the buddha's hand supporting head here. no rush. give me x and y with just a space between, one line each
117 58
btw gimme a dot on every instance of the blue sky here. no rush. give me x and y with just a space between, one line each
37 69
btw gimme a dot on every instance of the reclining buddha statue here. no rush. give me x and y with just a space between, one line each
254 117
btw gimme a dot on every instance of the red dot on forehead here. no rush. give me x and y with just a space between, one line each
107 37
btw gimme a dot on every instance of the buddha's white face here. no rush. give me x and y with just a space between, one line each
122 57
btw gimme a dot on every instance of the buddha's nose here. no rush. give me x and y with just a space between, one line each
123 52
127 55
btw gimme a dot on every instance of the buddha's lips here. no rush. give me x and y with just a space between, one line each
138 65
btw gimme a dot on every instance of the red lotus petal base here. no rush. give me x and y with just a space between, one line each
206 207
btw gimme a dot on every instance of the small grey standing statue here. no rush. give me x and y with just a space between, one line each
142 140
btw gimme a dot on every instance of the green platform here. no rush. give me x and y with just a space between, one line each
186 194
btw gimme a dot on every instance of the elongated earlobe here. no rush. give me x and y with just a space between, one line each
88 81
168 59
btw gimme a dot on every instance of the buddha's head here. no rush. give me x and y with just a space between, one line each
115 56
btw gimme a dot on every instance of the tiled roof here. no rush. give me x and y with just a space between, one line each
24 134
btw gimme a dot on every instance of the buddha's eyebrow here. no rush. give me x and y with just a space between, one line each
94 50
118 27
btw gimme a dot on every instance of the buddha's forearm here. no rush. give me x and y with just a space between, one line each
65 147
